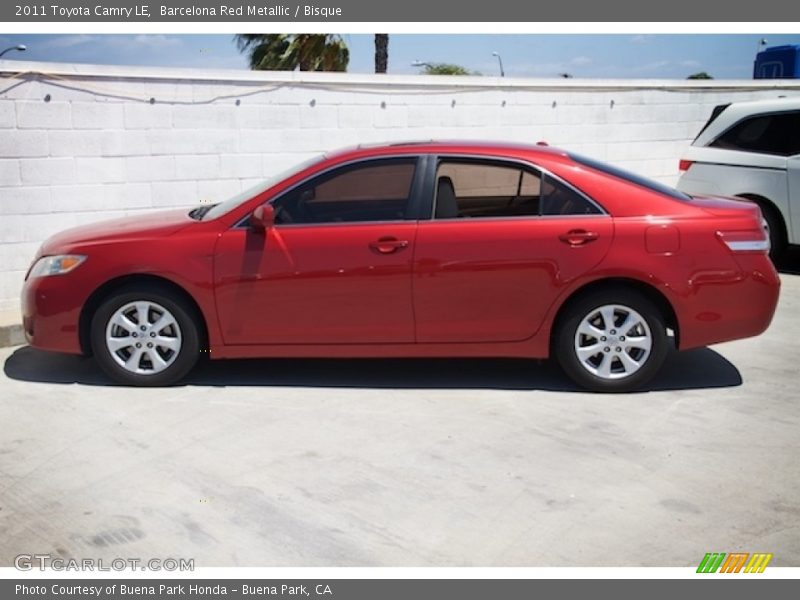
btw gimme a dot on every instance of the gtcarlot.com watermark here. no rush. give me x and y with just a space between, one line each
29 562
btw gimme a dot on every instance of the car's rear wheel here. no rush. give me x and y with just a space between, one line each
145 336
611 341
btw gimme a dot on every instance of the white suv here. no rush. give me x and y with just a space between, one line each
751 150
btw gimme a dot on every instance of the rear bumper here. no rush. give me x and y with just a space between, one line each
730 305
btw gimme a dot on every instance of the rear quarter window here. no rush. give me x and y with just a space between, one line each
718 110
777 134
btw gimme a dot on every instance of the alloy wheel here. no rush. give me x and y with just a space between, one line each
143 337
613 342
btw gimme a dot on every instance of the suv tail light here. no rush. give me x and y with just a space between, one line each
684 164
754 241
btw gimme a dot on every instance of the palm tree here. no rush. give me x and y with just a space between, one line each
287 52
381 52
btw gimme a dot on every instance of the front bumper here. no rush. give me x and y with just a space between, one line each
51 309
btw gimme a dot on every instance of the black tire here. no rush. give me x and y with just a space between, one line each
186 333
777 233
778 239
566 353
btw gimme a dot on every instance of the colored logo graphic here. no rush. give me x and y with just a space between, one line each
734 563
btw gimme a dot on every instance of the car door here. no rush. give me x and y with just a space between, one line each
793 226
334 269
503 240
793 171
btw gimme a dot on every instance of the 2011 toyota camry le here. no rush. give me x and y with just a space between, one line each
413 250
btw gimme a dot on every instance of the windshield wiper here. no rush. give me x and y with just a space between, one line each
198 213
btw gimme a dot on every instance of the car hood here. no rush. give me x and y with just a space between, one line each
155 224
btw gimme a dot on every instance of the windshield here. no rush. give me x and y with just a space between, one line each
217 210
651 185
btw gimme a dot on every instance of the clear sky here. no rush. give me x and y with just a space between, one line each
724 56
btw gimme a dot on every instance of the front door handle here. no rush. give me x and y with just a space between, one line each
387 245
578 237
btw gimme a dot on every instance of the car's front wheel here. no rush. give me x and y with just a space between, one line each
145 336
611 341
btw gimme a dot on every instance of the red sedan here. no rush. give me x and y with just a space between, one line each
413 250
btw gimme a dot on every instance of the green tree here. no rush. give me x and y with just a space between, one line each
287 52
445 69
700 75
381 52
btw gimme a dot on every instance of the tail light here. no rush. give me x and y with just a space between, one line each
684 164
753 241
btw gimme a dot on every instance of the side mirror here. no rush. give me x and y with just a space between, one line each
263 218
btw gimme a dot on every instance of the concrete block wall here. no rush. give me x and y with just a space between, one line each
82 143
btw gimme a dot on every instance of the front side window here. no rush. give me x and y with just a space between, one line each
377 190
766 134
474 188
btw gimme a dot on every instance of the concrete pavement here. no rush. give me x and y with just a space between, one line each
11 333
407 462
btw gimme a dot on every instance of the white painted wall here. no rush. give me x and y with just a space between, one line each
97 148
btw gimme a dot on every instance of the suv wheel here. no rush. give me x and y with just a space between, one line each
775 227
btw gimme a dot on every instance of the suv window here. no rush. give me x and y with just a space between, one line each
377 190
766 134
477 188
718 110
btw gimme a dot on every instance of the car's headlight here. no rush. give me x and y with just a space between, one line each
56 265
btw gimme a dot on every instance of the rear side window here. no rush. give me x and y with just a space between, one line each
480 188
765 134
477 189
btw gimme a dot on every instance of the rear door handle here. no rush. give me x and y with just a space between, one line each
387 245
578 237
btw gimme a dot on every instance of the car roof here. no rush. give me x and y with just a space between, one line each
737 111
499 148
